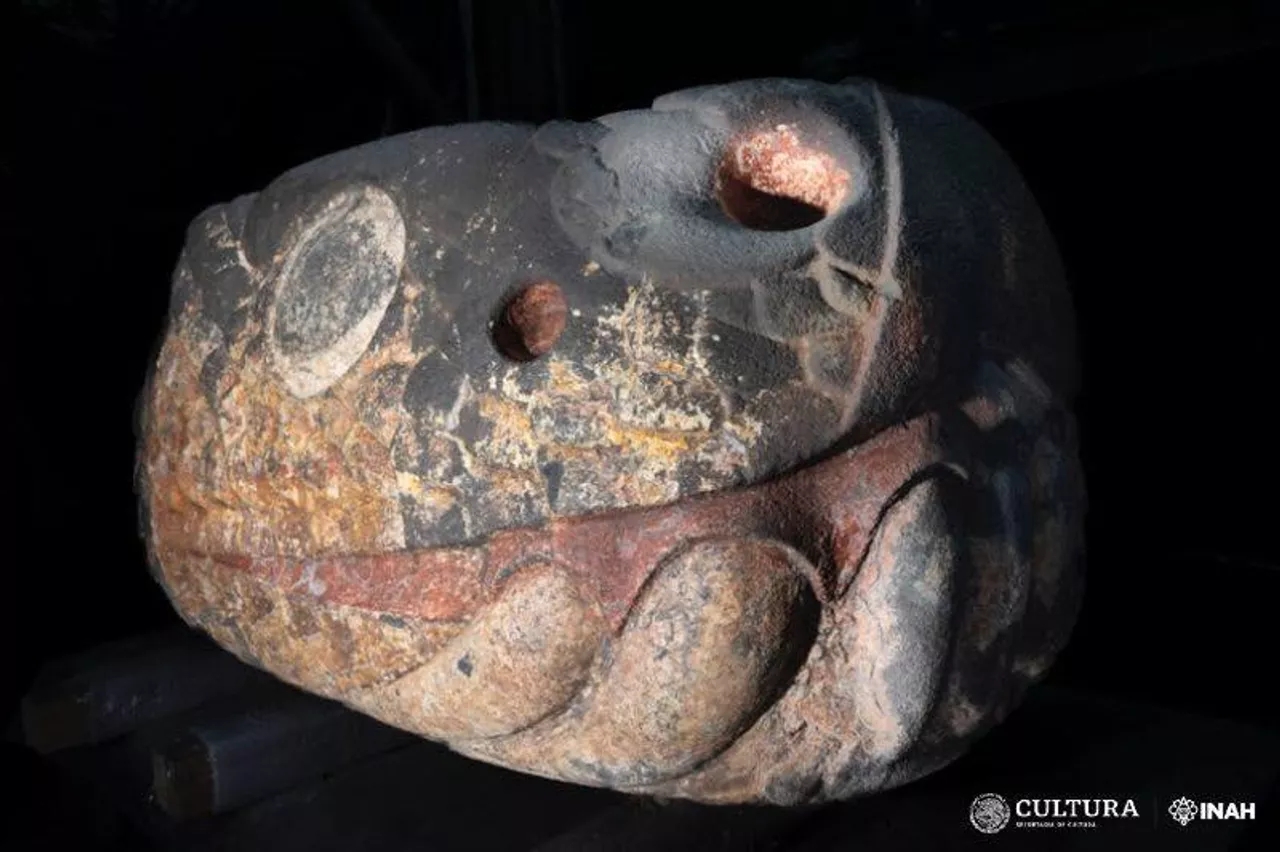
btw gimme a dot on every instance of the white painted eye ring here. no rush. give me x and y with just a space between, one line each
334 287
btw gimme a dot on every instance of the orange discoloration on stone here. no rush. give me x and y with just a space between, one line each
259 471
323 646
611 555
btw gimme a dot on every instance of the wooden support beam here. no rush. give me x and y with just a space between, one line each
224 760
119 687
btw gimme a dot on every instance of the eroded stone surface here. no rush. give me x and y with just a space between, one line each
720 450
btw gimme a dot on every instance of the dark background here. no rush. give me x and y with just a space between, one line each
1145 135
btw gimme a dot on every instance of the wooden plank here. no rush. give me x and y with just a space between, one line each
119 687
223 760
419 797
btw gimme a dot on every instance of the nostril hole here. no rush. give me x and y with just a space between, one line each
771 181
532 321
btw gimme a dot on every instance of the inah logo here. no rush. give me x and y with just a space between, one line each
1183 810
989 813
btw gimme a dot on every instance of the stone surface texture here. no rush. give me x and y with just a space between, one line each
719 450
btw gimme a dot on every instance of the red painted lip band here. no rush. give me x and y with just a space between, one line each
613 553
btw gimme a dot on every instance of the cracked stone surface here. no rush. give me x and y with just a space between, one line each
719 450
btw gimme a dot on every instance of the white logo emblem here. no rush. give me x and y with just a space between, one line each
1183 810
989 813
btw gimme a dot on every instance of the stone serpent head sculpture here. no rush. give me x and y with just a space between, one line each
719 450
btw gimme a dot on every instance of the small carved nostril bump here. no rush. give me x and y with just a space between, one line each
772 181
531 322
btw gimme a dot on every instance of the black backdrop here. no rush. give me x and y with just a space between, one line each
1149 152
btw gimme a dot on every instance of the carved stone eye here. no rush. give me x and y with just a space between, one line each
772 181
334 288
